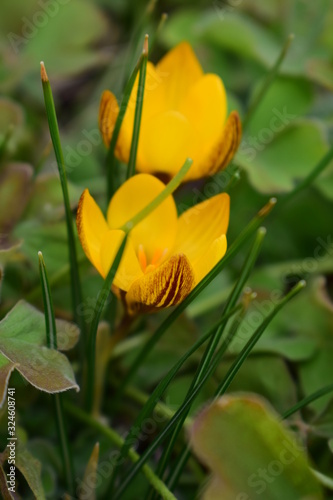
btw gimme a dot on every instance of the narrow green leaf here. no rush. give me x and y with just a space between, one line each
138 111
215 362
110 161
54 132
254 339
51 335
214 342
232 251
161 388
320 167
270 76
305 401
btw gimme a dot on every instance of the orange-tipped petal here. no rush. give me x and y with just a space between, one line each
92 227
108 113
228 144
167 285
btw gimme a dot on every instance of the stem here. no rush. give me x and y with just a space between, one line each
270 77
54 132
118 441
51 340
138 111
91 344
309 399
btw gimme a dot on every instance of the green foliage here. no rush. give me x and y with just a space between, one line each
23 348
146 368
250 452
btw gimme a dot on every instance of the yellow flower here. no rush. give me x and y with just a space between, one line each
184 115
165 255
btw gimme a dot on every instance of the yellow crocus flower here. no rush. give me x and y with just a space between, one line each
184 115
165 255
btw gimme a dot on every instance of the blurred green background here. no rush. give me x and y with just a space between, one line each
88 46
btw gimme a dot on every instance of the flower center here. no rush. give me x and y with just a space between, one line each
156 260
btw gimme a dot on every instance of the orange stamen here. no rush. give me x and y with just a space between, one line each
142 258
158 257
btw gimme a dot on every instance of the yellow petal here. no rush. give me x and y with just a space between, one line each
226 147
166 142
167 285
208 260
179 69
108 112
92 227
129 269
200 226
158 229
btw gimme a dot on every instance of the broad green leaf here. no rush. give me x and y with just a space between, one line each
276 162
50 238
5 493
275 385
46 202
23 347
287 99
15 188
30 468
217 26
250 452
34 31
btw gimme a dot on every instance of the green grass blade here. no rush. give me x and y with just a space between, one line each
91 344
254 339
217 358
269 79
51 338
110 161
176 470
212 346
309 399
74 268
138 111
232 251
161 388
118 441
